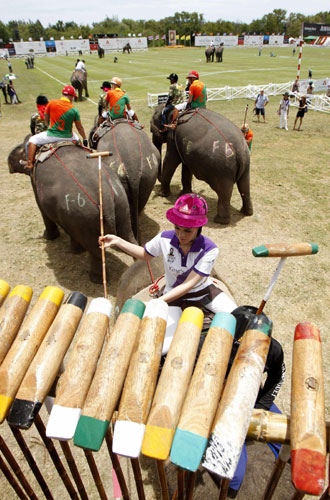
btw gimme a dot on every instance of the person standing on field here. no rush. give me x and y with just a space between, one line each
260 104
283 110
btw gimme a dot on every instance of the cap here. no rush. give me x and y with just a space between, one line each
189 210
69 90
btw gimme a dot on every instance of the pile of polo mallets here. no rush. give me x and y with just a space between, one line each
185 413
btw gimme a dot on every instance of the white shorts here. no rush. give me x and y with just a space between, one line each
182 106
43 138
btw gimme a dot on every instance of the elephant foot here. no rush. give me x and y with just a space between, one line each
95 277
76 248
247 210
164 193
185 191
221 220
51 234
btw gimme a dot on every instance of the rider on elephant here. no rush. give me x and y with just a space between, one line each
106 86
37 121
81 65
197 97
176 96
118 102
59 117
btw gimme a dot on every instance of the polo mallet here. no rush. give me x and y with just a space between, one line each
99 155
246 111
282 250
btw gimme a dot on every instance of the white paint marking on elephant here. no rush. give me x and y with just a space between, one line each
62 83
215 145
229 150
154 159
81 202
189 146
149 162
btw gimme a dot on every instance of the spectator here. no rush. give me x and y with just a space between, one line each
4 91
301 112
328 91
283 110
310 88
295 86
260 104
12 93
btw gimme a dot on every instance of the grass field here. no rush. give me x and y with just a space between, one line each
289 185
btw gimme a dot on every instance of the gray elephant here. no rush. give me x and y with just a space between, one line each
100 52
66 189
209 54
127 48
79 82
219 53
213 149
134 159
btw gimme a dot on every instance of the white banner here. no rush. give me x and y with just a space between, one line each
118 43
63 46
276 39
318 85
228 40
28 48
255 40
3 53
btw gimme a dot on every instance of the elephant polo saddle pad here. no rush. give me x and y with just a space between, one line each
48 150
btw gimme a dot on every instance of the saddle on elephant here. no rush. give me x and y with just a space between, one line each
47 150
108 124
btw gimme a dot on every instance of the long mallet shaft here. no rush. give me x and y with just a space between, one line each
282 250
99 155
246 110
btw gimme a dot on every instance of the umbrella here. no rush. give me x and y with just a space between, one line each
10 76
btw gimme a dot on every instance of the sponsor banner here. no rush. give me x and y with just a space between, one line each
50 46
63 46
93 45
228 41
276 40
3 53
316 29
255 40
172 36
25 48
118 43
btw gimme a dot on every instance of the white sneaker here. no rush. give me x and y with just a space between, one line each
286 128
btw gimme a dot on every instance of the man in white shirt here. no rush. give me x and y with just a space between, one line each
81 66
260 104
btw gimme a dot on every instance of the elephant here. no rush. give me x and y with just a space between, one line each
135 160
219 53
100 52
127 48
209 54
79 82
66 190
210 147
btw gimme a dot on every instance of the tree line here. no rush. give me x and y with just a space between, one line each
185 23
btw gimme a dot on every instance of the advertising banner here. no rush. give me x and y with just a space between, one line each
171 37
316 29
25 48
276 40
118 43
253 40
227 40
63 46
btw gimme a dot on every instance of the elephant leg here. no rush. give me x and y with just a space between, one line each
95 271
170 165
243 185
76 248
186 179
223 207
51 230
86 91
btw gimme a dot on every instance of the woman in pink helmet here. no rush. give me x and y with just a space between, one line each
188 256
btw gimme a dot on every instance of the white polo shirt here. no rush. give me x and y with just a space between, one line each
177 266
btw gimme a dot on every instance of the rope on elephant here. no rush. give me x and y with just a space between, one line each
73 177
214 125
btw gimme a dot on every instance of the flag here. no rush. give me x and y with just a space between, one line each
164 37
129 34
140 34
150 37
134 34
182 37
187 37
177 37
211 34
156 37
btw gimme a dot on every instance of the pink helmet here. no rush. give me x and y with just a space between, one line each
69 90
193 74
189 210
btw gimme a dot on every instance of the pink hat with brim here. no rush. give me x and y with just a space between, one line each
189 211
